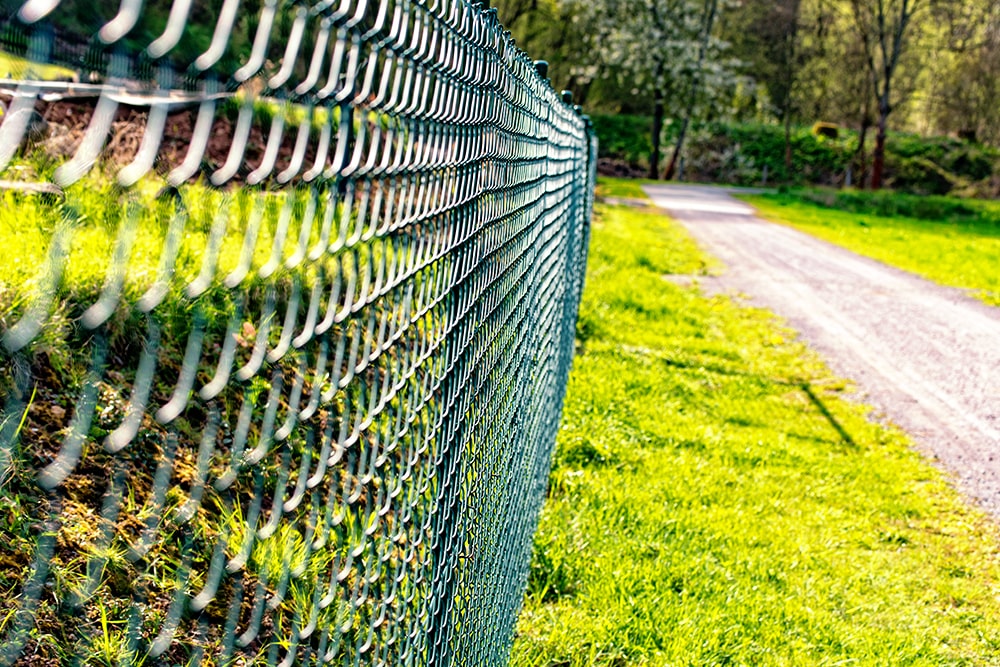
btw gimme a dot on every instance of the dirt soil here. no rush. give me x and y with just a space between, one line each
926 357
67 121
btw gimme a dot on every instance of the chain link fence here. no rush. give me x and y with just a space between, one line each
286 314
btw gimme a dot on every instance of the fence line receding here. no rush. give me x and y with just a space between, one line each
287 306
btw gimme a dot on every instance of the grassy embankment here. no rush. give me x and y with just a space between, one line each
714 500
954 242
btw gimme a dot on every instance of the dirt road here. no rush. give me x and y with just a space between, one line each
927 357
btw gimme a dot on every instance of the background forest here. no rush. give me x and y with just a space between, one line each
786 90
901 93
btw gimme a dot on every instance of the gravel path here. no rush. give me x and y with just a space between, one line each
927 357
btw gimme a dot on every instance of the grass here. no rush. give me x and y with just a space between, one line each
622 188
715 500
60 359
15 68
95 233
949 241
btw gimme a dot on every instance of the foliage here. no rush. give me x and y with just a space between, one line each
665 53
940 165
564 34
962 85
623 137
955 242
655 44
800 60
739 153
716 147
715 501
765 37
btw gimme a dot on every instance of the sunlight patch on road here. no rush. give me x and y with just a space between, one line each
703 200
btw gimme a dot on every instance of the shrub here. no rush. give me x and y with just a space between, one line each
918 175
887 203
828 130
739 153
623 137
958 158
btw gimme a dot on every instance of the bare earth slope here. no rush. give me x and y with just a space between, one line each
926 356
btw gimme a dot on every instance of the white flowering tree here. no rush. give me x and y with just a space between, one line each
662 50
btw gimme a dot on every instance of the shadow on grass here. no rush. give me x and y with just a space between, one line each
804 386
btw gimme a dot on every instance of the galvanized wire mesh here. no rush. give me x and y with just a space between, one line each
284 384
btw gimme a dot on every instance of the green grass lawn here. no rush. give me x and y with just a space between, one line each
622 188
716 501
958 246
136 225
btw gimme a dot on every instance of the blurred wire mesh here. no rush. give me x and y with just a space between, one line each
285 328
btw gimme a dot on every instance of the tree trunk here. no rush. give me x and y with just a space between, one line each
711 9
788 143
860 158
654 156
672 165
878 159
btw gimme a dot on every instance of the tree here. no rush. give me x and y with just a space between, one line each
765 35
709 16
964 81
668 20
648 39
664 51
883 27
564 33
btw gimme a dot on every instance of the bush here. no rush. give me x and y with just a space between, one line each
624 137
918 175
887 203
828 130
740 153
924 157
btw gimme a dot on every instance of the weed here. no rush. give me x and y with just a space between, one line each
110 647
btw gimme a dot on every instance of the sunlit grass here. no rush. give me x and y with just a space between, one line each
630 188
97 216
98 219
715 500
178 251
959 252
14 68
